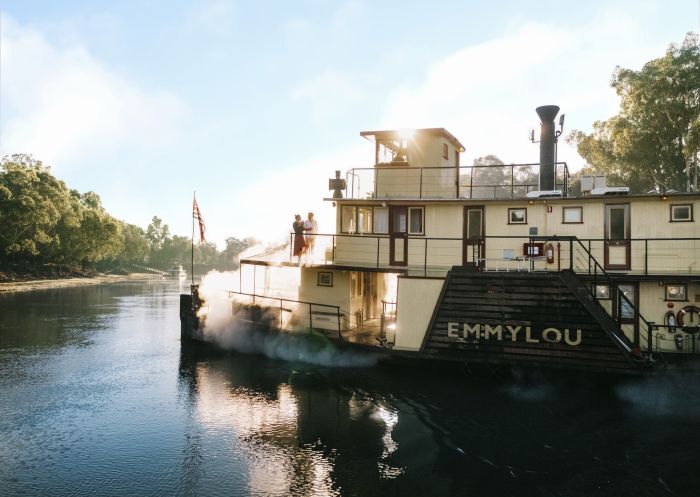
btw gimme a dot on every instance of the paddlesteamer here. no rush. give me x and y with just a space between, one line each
489 264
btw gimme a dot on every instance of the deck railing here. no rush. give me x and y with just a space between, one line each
483 181
648 256
286 307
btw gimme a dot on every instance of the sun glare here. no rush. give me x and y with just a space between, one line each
406 133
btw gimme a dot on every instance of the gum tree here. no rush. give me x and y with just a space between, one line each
654 141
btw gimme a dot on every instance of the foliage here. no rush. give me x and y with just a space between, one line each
654 141
43 222
157 233
32 202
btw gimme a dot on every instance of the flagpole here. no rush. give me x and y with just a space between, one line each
194 199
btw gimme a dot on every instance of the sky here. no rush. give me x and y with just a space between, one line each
255 104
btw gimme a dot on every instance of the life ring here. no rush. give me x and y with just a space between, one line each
688 309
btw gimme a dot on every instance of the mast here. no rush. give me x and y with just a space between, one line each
194 200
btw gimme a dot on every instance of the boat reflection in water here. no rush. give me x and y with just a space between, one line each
294 435
295 429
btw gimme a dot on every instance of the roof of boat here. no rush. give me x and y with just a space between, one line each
396 134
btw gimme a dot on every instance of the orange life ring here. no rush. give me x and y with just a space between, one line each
688 309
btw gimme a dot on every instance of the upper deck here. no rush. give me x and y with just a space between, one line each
418 211
416 181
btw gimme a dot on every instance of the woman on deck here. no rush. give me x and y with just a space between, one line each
299 244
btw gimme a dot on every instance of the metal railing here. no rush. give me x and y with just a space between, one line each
312 308
648 256
485 181
388 319
272 311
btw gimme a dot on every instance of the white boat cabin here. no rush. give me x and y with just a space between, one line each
403 223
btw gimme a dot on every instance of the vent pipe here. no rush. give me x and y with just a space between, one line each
548 142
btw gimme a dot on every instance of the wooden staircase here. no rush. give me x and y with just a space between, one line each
547 306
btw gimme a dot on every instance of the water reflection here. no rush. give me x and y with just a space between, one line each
304 430
99 397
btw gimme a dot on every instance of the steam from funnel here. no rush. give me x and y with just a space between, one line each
548 142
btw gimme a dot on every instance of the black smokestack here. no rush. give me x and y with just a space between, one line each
548 141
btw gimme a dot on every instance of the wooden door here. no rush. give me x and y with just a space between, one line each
474 245
617 244
398 235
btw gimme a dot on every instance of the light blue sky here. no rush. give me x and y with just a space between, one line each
254 104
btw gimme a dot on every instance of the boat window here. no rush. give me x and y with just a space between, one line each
399 223
517 216
474 223
682 213
572 215
676 292
347 219
617 223
627 310
364 220
415 215
381 219
602 292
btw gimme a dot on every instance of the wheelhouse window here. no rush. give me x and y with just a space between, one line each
676 292
572 215
381 219
517 216
347 219
681 213
415 220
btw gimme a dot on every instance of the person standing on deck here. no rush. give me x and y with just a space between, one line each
298 227
311 228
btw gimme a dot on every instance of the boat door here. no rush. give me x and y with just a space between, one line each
617 250
474 245
626 310
398 235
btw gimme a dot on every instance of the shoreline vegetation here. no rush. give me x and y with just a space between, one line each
24 285
50 231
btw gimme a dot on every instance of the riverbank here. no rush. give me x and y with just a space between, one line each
100 279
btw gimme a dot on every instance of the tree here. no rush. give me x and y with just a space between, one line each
135 244
654 141
32 202
157 233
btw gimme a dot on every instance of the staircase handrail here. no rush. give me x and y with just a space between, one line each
608 280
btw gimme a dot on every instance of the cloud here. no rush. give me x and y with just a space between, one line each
328 95
267 206
61 104
486 93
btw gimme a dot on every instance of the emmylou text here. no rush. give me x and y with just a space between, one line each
514 333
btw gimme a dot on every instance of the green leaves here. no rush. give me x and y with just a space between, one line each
654 141
42 221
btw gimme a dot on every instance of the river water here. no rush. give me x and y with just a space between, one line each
99 397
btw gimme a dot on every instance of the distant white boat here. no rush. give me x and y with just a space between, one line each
177 273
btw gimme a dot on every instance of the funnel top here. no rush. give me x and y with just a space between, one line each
547 113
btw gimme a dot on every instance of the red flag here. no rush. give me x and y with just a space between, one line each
198 216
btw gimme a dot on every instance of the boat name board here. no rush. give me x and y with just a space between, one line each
473 332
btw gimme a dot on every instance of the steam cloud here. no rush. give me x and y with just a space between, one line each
234 331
